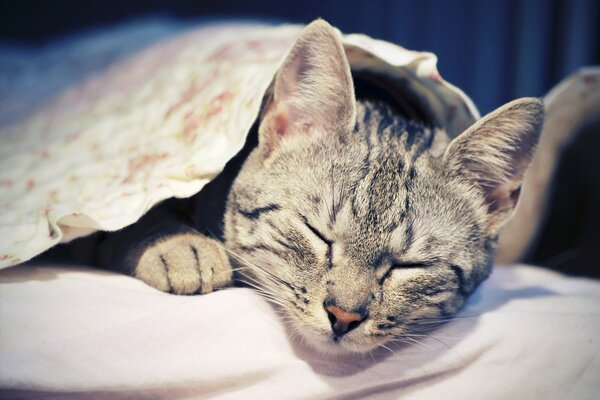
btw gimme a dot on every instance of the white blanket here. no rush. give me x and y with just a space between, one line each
77 333
142 126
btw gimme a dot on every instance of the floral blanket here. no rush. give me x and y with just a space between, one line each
131 126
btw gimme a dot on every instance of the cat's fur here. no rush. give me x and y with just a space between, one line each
358 224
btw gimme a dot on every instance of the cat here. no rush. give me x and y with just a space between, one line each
359 223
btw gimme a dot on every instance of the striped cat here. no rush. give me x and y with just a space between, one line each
357 222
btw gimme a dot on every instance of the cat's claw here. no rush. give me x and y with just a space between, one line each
186 263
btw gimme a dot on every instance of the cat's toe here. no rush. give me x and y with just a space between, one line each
214 263
184 264
152 269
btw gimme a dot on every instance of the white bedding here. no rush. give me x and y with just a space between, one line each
527 333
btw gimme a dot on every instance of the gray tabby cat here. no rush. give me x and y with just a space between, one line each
358 223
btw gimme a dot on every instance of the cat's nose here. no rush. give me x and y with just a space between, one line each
343 321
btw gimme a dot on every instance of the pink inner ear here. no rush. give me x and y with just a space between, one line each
313 88
280 121
503 197
275 125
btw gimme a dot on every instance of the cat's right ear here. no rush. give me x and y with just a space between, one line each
313 89
494 154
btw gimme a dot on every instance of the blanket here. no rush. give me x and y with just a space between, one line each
152 121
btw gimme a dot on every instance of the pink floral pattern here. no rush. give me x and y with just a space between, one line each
161 123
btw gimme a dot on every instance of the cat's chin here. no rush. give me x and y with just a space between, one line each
329 346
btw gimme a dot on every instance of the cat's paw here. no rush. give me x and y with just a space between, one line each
185 263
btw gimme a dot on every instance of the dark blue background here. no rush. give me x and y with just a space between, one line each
494 50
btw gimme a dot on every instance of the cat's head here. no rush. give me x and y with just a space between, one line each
362 227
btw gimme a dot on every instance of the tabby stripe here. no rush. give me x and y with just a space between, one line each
426 142
251 249
409 236
286 245
432 290
293 289
164 262
257 212
443 311
368 138
197 259
335 209
261 246
412 174
460 276
412 133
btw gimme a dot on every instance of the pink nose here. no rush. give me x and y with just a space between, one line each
343 321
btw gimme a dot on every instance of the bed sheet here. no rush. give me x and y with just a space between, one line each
527 333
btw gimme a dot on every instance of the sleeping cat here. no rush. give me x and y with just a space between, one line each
359 223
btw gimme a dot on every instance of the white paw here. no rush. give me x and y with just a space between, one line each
185 263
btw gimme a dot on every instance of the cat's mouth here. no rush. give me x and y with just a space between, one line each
329 343
326 340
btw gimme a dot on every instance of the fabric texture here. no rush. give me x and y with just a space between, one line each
526 333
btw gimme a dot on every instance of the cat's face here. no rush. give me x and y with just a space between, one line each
361 227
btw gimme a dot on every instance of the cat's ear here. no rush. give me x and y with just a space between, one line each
495 152
313 88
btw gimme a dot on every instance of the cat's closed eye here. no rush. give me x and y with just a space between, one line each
403 265
317 233
324 239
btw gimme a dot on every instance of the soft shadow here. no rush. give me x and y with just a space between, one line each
182 390
44 272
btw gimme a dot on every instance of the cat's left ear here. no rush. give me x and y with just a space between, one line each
313 88
494 154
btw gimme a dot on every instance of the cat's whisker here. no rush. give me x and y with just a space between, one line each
420 343
438 340
247 266
433 337
404 341
447 318
264 276
255 268
261 290
240 269
390 350
424 329
263 293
